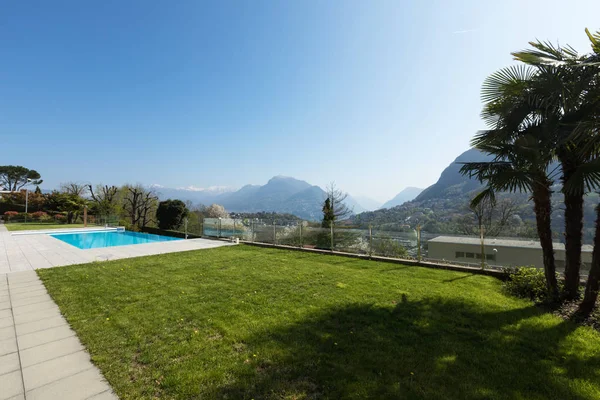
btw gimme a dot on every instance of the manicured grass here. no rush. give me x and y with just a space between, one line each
26 226
251 323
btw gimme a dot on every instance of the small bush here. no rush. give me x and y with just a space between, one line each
10 214
528 283
39 216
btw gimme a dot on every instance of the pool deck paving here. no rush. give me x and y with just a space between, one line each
41 357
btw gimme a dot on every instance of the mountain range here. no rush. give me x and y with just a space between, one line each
284 194
280 194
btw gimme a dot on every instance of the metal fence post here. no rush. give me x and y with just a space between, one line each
274 233
234 230
370 240
331 229
301 244
252 231
186 227
419 243
481 229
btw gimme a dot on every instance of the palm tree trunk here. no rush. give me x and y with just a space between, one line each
573 235
593 283
543 209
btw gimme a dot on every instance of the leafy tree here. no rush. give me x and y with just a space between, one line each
38 190
216 211
69 203
14 177
170 214
522 147
338 209
328 216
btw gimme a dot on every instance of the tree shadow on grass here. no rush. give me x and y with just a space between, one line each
431 349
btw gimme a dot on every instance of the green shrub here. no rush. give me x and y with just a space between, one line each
528 283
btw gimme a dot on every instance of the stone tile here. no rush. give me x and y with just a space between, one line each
26 295
5 305
49 371
46 305
11 385
36 315
43 337
50 351
31 300
6 321
7 333
22 277
18 397
9 363
40 325
75 387
108 395
26 289
8 346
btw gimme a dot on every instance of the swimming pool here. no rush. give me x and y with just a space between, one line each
93 240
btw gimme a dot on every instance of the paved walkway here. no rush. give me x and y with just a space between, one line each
41 357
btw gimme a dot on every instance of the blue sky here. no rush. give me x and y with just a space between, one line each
373 95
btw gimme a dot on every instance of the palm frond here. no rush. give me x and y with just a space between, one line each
594 40
487 194
585 178
508 81
545 53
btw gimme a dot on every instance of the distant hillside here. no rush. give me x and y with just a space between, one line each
281 194
451 182
405 195
441 207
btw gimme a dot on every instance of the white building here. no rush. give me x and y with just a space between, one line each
502 252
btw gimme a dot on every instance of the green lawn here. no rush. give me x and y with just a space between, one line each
251 323
25 226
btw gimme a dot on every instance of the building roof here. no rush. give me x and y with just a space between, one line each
531 244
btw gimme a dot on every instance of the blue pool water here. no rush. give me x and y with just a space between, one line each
92 240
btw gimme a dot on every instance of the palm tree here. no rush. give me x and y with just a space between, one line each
520 138
568 86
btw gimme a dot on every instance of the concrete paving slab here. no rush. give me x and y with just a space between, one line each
26 295
49 371
40 298
8 346
108 395
9 363
49 351
36 315
46 305
6 321
11 384
42 337
78 386
7 333
40 325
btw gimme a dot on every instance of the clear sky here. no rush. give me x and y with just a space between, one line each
375 95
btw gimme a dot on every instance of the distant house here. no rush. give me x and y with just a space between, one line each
501 252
